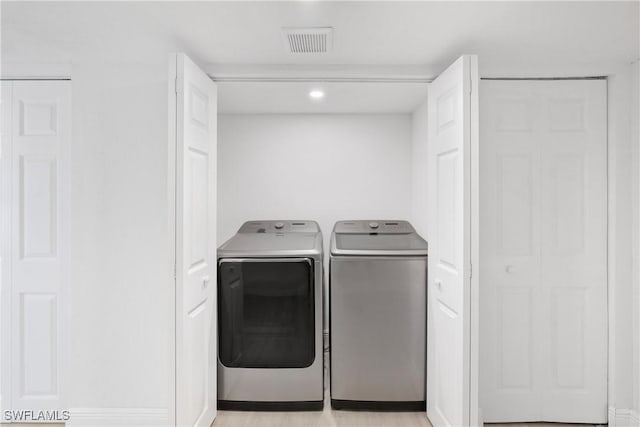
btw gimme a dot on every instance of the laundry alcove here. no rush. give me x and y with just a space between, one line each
265 166
282 154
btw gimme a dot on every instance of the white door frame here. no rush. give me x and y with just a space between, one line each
172 136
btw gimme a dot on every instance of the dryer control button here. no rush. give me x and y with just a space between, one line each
373 225
278 225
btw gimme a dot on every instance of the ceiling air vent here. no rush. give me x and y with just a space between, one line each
308 40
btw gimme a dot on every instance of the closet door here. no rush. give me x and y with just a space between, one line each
40 135
544 251
452 141
196 318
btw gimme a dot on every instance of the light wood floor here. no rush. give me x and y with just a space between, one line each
326 418
330 418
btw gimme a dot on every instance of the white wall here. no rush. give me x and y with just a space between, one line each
320 167
119 283
419 173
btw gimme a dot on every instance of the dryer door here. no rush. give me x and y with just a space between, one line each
266 313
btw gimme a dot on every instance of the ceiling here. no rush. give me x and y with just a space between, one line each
398 36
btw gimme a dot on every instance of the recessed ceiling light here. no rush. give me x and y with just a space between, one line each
316 94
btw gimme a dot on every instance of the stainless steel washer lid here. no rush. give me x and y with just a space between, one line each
280 238
377 237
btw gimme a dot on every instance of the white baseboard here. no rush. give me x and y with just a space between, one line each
118 417
623 417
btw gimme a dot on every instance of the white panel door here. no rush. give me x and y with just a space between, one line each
40 129
451 127
544 251
196 318
5 246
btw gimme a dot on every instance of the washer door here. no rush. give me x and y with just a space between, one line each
266 313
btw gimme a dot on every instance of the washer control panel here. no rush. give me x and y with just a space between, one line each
373 227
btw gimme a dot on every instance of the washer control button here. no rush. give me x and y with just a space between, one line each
279 225
373 225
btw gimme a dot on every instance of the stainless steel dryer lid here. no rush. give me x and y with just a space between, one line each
377 237
274 238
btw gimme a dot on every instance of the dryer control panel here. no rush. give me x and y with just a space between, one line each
373 226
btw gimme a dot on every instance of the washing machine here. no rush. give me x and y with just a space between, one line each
377 304
270 317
